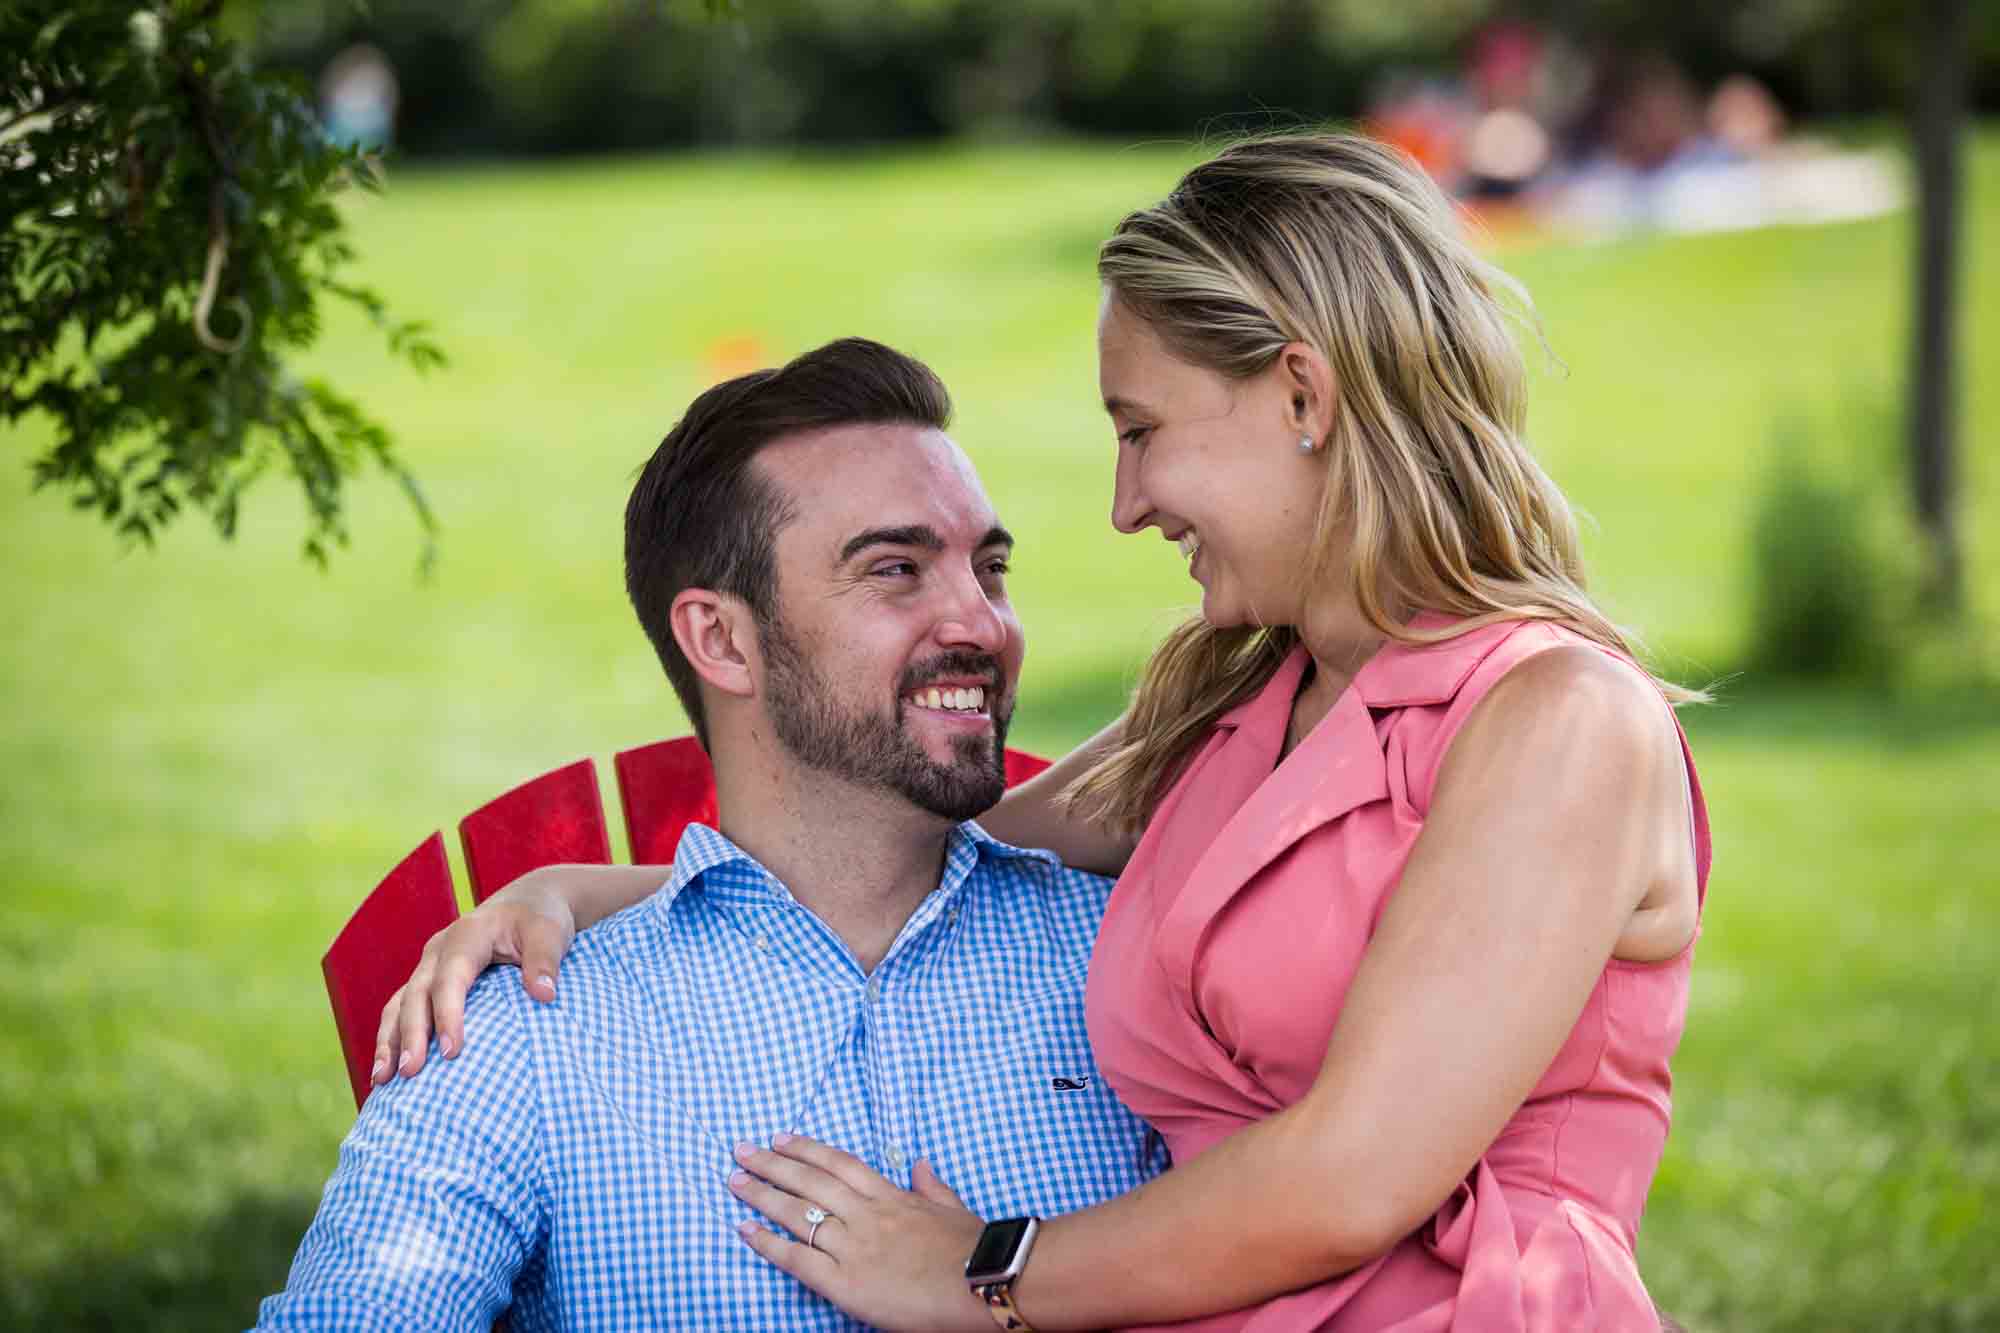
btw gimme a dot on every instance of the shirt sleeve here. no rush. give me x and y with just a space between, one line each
437 1200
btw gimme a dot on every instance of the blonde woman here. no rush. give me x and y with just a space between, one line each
1411 851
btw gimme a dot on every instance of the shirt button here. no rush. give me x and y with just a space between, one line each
763 944
874 989
950 915
895 1157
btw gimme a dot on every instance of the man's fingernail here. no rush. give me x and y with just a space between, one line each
739 1179
403 1065
780 1139
546 982
746 1229
444 1044
743 1151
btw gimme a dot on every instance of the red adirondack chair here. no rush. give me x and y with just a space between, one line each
555 818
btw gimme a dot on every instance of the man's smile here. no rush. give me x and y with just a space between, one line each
949 698
960 692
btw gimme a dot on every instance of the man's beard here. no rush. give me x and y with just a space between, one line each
871 750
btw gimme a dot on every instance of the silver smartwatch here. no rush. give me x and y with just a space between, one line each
997 1260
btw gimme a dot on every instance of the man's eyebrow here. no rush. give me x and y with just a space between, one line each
911 534
997 536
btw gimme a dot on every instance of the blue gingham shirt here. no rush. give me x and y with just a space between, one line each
568 1167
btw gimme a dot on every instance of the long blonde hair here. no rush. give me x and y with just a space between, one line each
1432 499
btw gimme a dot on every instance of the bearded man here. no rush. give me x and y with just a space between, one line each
845 957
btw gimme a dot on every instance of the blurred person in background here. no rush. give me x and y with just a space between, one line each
1489 134
1745 118
1641 146
1520 74
358 94
1653 154
1411 849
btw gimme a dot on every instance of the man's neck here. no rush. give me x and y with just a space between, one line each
859 860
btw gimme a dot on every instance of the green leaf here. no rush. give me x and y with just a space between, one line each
105 263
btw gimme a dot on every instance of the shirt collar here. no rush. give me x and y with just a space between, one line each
702 849
987 845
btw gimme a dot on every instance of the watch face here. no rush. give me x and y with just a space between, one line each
994 1254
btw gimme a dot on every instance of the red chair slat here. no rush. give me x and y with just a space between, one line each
378 948
663 788
555 818
1021 766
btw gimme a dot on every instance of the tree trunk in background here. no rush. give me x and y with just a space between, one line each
1939 113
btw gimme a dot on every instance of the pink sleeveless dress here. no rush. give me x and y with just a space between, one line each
1227 949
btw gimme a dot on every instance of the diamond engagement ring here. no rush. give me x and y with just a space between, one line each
814 1216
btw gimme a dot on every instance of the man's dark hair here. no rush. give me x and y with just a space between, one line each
702 517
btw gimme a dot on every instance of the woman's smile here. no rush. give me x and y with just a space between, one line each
1190 543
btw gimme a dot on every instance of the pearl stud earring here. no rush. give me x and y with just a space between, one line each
1306 444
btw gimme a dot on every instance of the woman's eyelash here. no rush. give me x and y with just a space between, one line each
1134 435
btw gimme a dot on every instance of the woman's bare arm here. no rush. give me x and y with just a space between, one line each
530 922
1030 816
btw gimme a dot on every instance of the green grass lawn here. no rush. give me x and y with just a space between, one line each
211 751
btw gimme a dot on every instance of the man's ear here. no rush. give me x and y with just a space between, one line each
1309 384
718 635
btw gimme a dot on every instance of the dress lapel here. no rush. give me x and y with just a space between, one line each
1337 767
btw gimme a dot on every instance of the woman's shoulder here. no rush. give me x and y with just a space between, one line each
1576 729
1572 689
1532 688
1544 663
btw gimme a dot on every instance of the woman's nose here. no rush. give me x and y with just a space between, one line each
1129 511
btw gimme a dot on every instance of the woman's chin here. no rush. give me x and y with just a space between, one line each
1218 614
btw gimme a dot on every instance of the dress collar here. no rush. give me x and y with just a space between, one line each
1399 675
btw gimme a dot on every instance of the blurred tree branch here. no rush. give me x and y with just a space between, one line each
169 231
